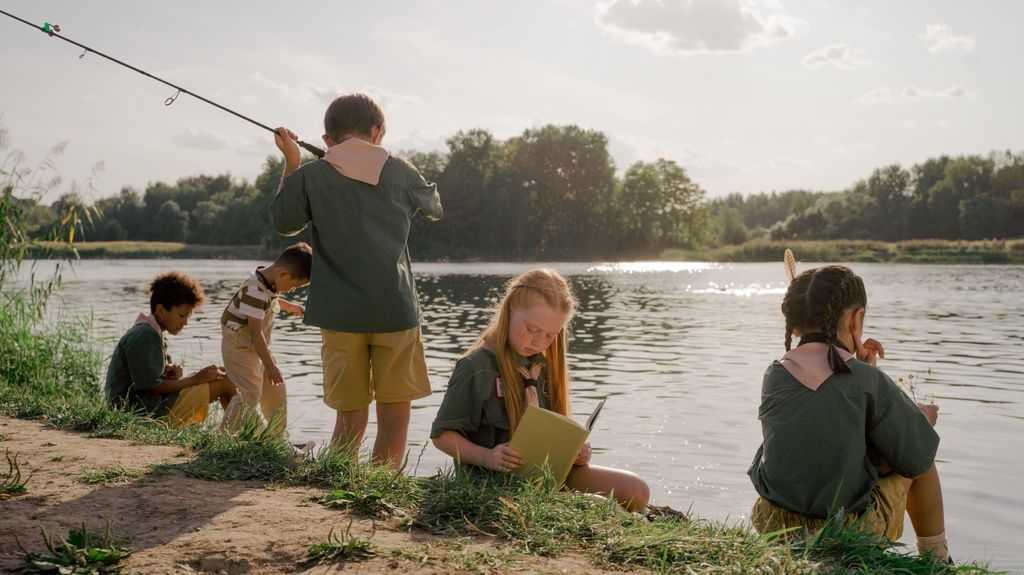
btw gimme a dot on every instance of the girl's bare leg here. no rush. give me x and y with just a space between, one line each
628 489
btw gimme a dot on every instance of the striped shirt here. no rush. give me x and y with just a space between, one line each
255 298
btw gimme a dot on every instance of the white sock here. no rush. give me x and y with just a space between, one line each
936 544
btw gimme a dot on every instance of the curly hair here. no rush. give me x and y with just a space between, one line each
175 288
815 302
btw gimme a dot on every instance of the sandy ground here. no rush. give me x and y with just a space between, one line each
181 525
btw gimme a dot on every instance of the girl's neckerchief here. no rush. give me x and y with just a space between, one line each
530 381
836 361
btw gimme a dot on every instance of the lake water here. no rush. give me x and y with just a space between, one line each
679 350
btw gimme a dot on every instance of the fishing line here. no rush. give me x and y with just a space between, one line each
53 30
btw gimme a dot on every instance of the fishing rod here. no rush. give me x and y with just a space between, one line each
53 31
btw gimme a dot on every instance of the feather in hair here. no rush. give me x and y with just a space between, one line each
790 264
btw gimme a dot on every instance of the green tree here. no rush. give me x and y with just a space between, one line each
561 180
730 226
170 223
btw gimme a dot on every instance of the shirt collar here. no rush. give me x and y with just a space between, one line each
263 280
149 320
358 159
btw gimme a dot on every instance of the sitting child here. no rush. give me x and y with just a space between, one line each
246 325
140 377
839 435
519 360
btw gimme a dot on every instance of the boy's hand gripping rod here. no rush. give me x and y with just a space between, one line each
53 29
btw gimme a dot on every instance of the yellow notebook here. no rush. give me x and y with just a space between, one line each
545 436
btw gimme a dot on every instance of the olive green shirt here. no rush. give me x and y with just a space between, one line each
471 405
136 366
361 279
822 449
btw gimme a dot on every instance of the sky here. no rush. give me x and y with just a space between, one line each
746 95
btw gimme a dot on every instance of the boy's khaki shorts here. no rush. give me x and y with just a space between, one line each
191 408
883 517
362 367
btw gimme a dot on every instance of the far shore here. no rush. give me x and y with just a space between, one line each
760 250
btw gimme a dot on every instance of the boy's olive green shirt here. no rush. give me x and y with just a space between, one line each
822 449
472 405
137 366
361 279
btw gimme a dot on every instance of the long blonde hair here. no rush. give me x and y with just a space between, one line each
557 293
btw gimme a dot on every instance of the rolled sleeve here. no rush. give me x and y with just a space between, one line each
426 201
900 432
289 210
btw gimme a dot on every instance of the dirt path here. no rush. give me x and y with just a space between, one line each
180 525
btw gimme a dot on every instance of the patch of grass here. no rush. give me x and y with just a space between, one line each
116 474
81 553
364 487
852 550
57 458
225 458
11 482
339 548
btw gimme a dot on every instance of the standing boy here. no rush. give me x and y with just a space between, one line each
360 201
246 327
140 378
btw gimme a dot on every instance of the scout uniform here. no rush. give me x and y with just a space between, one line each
254 298
474 404
137 365
827 440
360 202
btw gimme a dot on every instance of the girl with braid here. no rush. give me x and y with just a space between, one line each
519 360
839 436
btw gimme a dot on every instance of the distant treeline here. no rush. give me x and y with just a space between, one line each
553 193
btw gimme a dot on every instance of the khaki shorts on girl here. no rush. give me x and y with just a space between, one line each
360 368
884 516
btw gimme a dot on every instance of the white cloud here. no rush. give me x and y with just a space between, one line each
940 38
627 149
697 26
913 94
308 92
781 163
201 139
841 148
837 55
876 96
954 92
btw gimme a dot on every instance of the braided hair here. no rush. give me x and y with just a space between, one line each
815 302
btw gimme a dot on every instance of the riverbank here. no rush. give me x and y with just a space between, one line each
905 252
911 251
145 251
197 501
